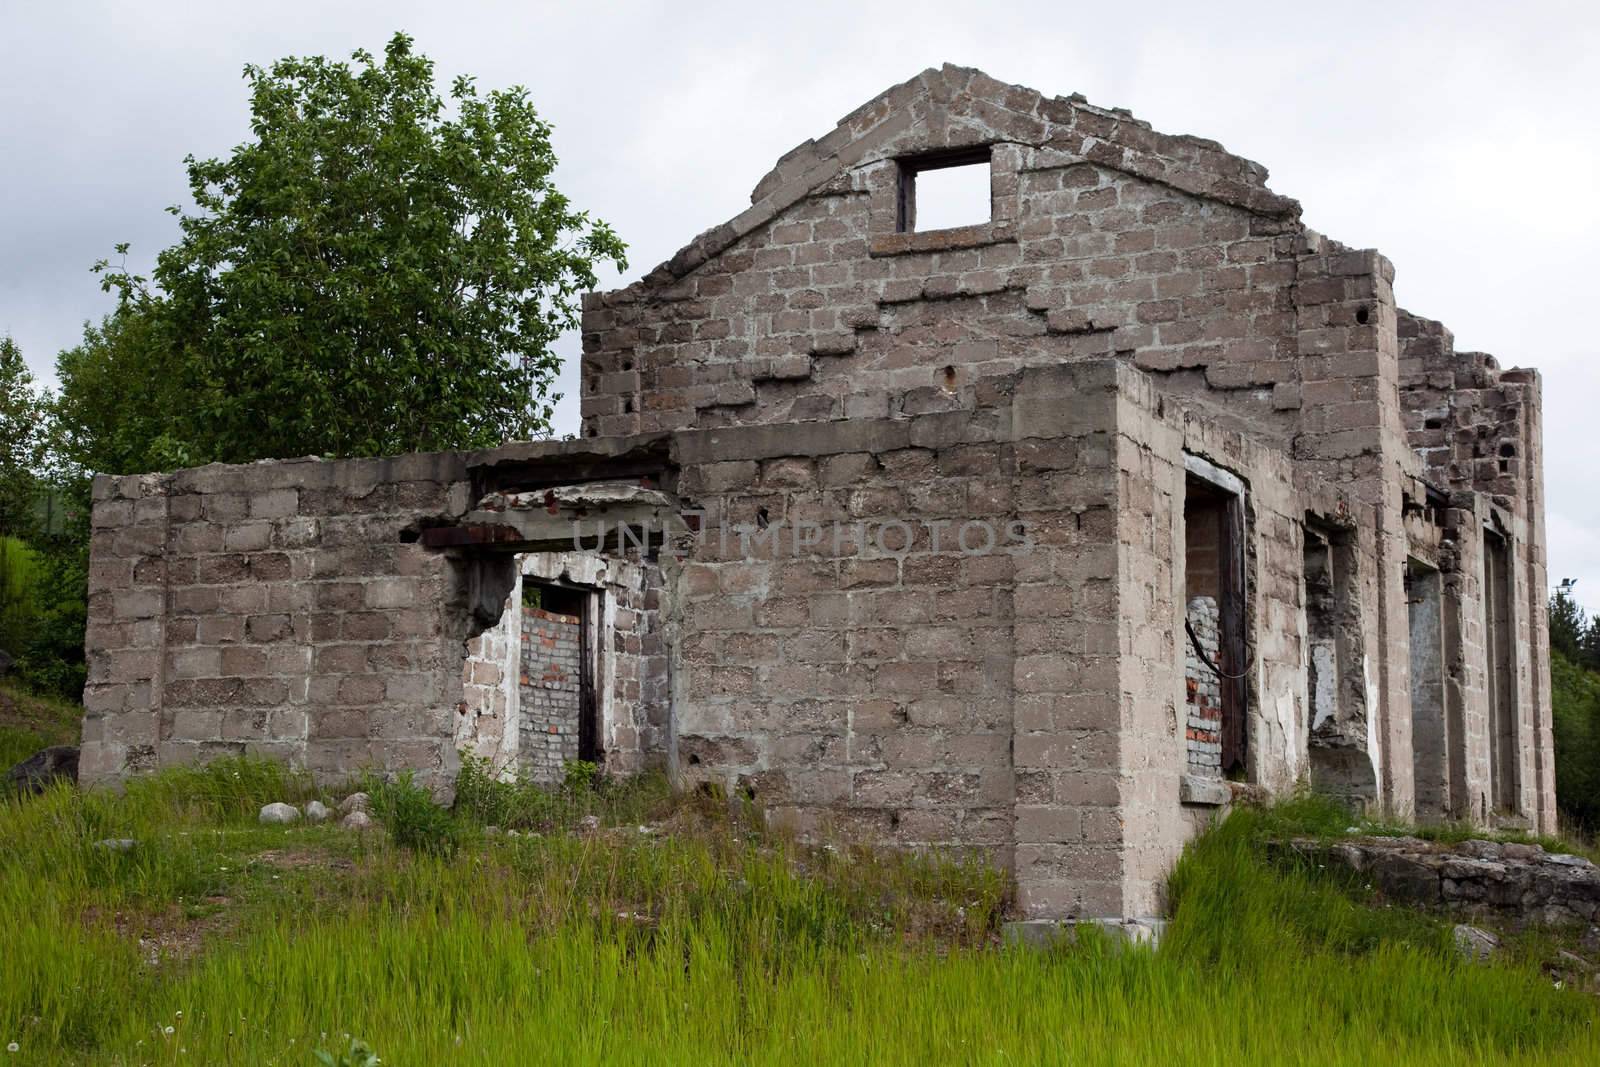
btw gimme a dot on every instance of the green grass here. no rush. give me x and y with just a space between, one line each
29 722
706 940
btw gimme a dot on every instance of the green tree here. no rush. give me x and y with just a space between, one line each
369 275
1568 626
125 400
1575 703
22 441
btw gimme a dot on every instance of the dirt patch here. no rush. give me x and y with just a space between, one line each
170 936
295 859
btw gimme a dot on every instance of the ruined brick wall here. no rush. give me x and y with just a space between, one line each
273 609
1105 238
1203 689
1161 803
1479 428
490 710
549 682
1029 701
1042 380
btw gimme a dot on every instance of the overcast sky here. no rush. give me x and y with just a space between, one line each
1461 139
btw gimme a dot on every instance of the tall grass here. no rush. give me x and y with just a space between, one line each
716 942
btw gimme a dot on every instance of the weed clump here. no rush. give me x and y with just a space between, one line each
413 819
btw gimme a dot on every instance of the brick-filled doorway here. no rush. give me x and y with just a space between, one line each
1217 661
558 707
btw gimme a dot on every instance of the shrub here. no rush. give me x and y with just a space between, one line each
522 804
579 775
416 822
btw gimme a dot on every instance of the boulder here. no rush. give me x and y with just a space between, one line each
355 802
280 813
317 811
34 774
357 820
1474 943
116 844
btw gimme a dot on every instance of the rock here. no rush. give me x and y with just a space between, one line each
1575 961
1475 944
356 820
38 771
589 824
117 844
317 811
355 802
1406 877
1519 882
280 813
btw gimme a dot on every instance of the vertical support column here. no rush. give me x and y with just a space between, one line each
126 633
1068 826
1352 433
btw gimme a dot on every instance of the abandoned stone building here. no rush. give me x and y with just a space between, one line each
1047 533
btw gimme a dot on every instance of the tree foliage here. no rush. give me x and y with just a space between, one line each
124 403
1573 633
23 441
373 273
1575 708
1575 702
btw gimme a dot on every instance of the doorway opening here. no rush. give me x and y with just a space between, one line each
1216 663
1499 653
1432 738
558 670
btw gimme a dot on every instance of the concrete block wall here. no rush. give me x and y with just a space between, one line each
1105 238
1478 429
917 698
840 655
1072 836
273 609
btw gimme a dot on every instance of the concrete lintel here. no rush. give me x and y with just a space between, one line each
793 439
1207 471
1202 791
